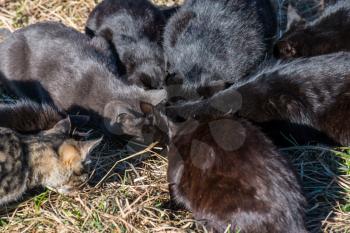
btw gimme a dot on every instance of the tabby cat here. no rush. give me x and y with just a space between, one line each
49 158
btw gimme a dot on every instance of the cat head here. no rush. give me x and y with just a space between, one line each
292 43
127 117
163 124
146 67
60 162
148 77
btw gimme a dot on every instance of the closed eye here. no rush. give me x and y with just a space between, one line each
122 117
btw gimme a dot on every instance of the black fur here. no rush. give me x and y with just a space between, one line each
311 92
135 29
28 117
328 34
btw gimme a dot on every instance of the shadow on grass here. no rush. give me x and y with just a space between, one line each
323 174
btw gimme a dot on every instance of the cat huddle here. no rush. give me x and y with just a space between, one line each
201 79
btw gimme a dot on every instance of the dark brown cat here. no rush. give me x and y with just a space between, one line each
231 177
49 158
328 34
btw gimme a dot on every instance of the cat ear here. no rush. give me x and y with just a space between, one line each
86 147
62 127
294 20
146 108
155 97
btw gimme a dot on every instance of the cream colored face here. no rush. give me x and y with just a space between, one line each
68 168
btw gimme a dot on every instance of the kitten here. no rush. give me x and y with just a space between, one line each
49 158
227 172
135 29
327 34
55 64
25 116
309 92
210 42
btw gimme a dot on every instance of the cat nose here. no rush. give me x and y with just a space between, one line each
87 162
86 166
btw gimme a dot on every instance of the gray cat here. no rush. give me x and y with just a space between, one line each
49 158
50 62
209 42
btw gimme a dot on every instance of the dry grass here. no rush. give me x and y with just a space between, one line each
133 198
128 189
18 13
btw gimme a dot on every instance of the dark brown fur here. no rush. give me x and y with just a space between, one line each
229 174
328 34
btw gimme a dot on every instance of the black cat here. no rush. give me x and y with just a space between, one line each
135 28
311 92
327 34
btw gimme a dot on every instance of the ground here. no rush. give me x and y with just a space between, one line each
128 191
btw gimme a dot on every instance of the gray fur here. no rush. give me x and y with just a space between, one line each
4 33
53 63
211 40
